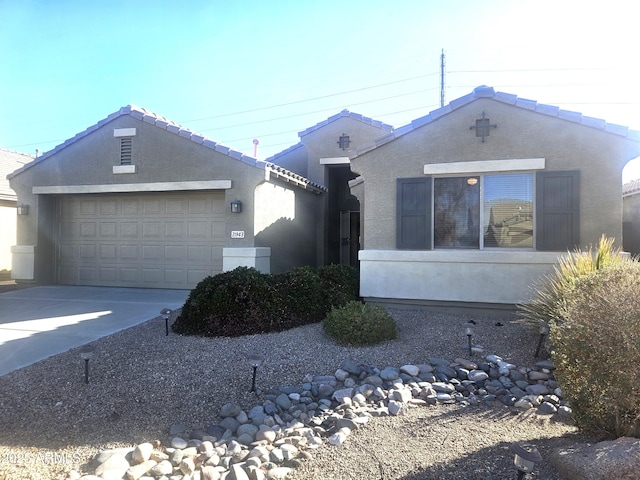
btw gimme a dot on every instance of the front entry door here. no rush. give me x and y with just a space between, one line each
349 237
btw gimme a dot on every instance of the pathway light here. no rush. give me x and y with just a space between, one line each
525 459
165 312
255 361
86 353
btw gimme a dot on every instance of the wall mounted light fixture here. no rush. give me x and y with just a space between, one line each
23 209
236 206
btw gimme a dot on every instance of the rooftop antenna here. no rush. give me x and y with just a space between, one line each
442 63
255 147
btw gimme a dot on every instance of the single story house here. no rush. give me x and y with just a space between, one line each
139 201
468 206
631 217
9 161
471 204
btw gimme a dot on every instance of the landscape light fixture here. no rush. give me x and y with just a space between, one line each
544 331
469 335
86 354
165 312
236 206
525 459
255 361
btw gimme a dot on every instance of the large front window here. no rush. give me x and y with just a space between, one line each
483 211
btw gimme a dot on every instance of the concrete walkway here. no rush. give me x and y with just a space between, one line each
38 322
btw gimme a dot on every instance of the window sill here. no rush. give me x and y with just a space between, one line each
121 169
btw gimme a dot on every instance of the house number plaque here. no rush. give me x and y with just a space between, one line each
237 234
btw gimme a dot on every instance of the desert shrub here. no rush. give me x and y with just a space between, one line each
299 295
238 302
549 293
245 301
358 323
341 284
596 350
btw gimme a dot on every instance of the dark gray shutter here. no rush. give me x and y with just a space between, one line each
557 210
413 213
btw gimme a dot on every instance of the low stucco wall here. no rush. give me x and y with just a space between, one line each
7 235
485 277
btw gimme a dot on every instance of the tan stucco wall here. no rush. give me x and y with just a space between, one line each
520 134
482 276
159 157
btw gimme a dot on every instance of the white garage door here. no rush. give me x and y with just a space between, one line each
163 240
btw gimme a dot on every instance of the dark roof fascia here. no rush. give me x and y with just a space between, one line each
294 178
347 113
161 122
509 99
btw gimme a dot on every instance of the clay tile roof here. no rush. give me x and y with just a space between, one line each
631 188
510 99
172 127
346 113
9 162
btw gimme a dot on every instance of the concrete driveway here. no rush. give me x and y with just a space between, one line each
38 322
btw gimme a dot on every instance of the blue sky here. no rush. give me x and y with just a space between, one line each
238 70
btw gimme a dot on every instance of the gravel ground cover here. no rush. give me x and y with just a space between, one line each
142 382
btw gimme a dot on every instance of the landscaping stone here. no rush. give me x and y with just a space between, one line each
291 422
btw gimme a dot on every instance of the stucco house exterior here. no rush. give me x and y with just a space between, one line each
9 161
321 155
631 217
471 204
139 201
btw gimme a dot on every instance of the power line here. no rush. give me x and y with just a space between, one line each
296 102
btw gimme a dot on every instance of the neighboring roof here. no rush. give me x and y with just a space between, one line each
172 127
347 113
9 162
631 188
286 151
509 99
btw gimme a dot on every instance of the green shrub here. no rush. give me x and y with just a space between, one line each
358 323
341 284
549 293
299 293
596 350
245 301
238 302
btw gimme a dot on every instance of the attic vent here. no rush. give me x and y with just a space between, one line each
125 151
344 141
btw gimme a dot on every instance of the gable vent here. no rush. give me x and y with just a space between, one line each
125 151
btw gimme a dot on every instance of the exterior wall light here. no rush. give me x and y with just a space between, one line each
236 206
255 361
525 459
23 209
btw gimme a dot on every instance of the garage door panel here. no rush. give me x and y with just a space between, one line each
108 252
170 240
108 274
88 229
129 229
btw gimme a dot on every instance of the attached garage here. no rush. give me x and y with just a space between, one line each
151 240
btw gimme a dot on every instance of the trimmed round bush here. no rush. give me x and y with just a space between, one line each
358 323
234 303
